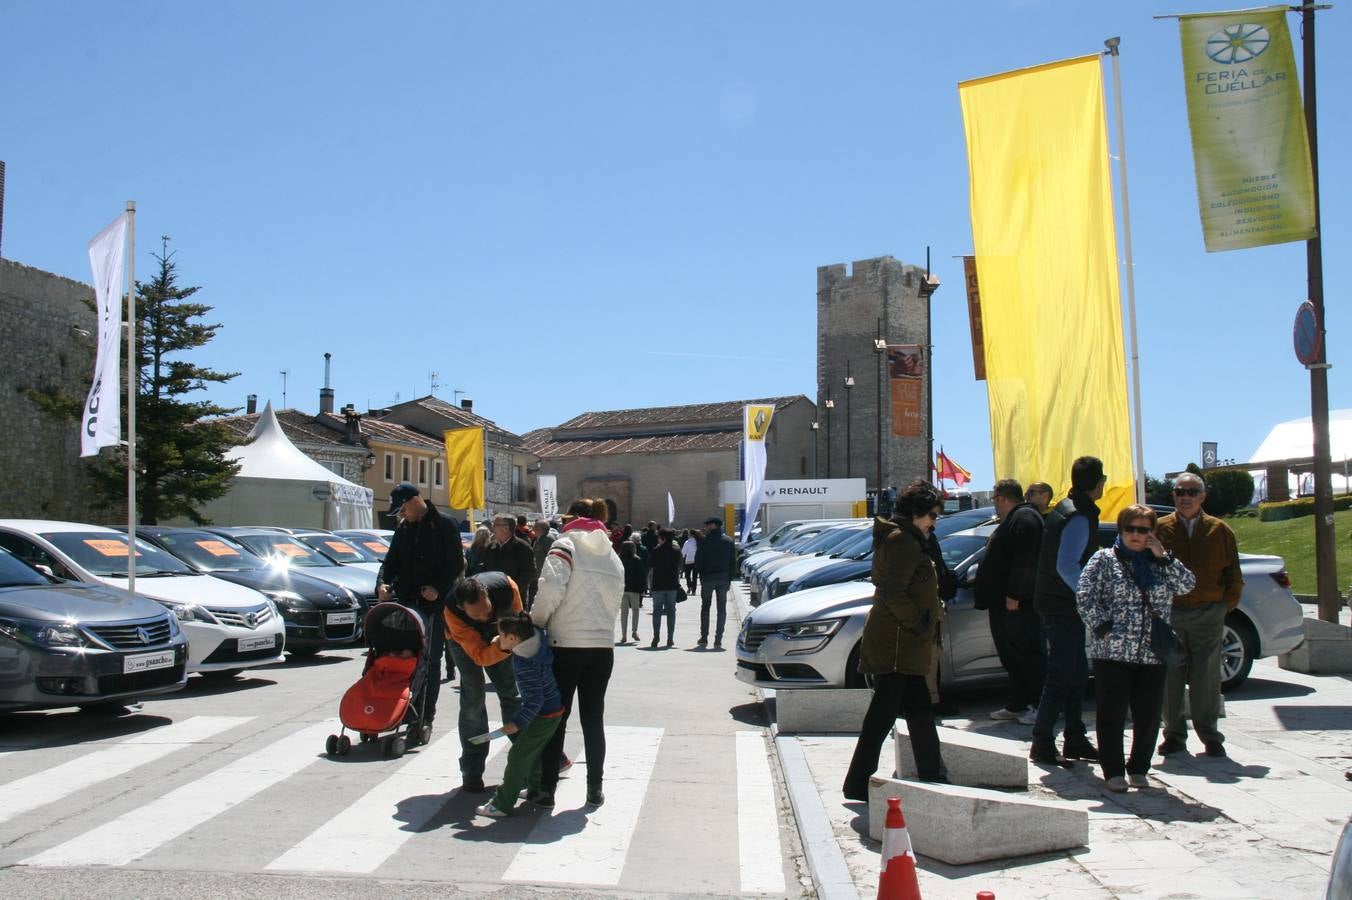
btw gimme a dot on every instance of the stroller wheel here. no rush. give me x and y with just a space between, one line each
344 745
331 745
414 737
424 734
397 746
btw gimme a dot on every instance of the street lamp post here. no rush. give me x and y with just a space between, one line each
880 348
849 453
815 472
830 405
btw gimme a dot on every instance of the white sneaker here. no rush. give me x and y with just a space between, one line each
1029 717
488 809
1004 714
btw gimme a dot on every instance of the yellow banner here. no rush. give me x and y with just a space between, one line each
1046 257
1249 143
757 421
465 460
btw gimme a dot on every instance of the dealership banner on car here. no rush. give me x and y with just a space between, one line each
1249 144
465 459
906 376
755 425
549 495
1046 253
101 424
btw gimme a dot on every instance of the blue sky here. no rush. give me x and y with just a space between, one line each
570 206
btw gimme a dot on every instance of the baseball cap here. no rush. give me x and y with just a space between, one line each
713 520
403 492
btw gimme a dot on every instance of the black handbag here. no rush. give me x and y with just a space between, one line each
680 594
1164 642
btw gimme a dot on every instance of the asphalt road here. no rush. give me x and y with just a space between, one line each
224 790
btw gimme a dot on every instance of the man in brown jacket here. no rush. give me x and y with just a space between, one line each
1206 545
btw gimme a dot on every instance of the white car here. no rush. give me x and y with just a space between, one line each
229 627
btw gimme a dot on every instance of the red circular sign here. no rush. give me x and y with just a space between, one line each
1307 336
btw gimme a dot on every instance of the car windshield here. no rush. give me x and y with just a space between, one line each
371 544
14 573
104 553
799 541
829 540
957 547
285 550
959 522
338 549
210 552
858 547
782 534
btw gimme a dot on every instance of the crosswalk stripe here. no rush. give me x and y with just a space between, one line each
758 847
136 833
558 851
363 836
30 792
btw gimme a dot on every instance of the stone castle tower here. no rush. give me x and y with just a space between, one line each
853 305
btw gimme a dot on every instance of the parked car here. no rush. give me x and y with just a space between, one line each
229 627
282 550
340 549
375 540
810 638
64 643
318 614
825 542
777 581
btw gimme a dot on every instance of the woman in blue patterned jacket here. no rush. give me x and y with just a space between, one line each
1121 589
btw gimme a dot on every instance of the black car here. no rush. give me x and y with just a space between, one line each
317 613
69 644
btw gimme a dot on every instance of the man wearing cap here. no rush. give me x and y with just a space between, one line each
714 559
424 561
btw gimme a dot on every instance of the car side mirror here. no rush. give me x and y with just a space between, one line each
45 569
968 576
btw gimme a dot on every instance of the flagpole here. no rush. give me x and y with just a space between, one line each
1138 451
132 373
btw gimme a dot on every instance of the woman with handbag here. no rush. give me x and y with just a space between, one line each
666 567
899 639
1125 598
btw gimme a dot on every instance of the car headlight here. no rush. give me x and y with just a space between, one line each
814 635
288 600
186 612
352 599
174 630
43 634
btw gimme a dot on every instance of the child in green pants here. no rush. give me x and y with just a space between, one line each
541 710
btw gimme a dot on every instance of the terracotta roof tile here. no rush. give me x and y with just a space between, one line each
729 410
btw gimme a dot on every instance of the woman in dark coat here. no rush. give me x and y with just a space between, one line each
899 638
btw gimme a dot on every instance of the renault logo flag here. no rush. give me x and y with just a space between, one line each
101 425
755 424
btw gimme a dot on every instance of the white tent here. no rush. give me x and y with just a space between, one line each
1295 440
279 485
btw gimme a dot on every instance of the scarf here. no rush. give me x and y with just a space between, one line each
1139 562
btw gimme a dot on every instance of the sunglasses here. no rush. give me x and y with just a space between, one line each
1187 492
1137 529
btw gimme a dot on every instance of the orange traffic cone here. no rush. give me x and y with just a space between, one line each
898 881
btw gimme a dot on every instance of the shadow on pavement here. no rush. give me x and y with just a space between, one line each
1314 718
209 687
293 661
67 728
1263 689
750 714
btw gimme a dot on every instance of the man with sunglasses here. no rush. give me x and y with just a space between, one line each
1206 545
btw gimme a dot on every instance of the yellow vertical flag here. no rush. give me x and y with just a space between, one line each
465 460
1046 256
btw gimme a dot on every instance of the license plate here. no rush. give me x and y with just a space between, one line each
144 662
346 618
257 643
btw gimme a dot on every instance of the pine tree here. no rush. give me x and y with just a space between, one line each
180 455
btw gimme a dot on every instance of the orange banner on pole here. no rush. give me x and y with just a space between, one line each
974 317
906 375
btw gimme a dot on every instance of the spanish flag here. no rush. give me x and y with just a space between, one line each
947 470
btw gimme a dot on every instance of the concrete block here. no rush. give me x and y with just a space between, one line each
977 760
1326 650
961 825
827 711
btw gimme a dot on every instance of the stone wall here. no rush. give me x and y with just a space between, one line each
48 335
849 307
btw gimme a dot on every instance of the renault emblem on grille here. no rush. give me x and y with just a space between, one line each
142 635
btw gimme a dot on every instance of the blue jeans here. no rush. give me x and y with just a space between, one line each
664 604
1067 670
710 587
474 707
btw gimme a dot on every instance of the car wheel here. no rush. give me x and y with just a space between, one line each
853 677
1239 647
331 745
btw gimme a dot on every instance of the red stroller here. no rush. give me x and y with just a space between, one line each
388 697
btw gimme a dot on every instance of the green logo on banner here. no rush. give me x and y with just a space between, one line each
1237 43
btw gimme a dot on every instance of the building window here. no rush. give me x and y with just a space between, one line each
436 473
334 467
389 467
405 468
422 471
488 469
516 485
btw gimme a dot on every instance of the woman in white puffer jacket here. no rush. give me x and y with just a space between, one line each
577 601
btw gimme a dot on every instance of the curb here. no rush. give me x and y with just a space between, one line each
825 860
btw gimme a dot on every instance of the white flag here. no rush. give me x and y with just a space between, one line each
549 495
102 422
755 425
671 509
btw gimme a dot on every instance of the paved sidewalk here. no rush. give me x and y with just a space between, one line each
1260 824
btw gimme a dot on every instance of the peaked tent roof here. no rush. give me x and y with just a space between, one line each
270 454
1295 439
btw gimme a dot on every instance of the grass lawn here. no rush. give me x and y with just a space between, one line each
1293 540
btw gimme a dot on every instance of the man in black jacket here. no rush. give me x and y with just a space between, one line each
1005 583
424 561
1069 538
510 555
714 560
